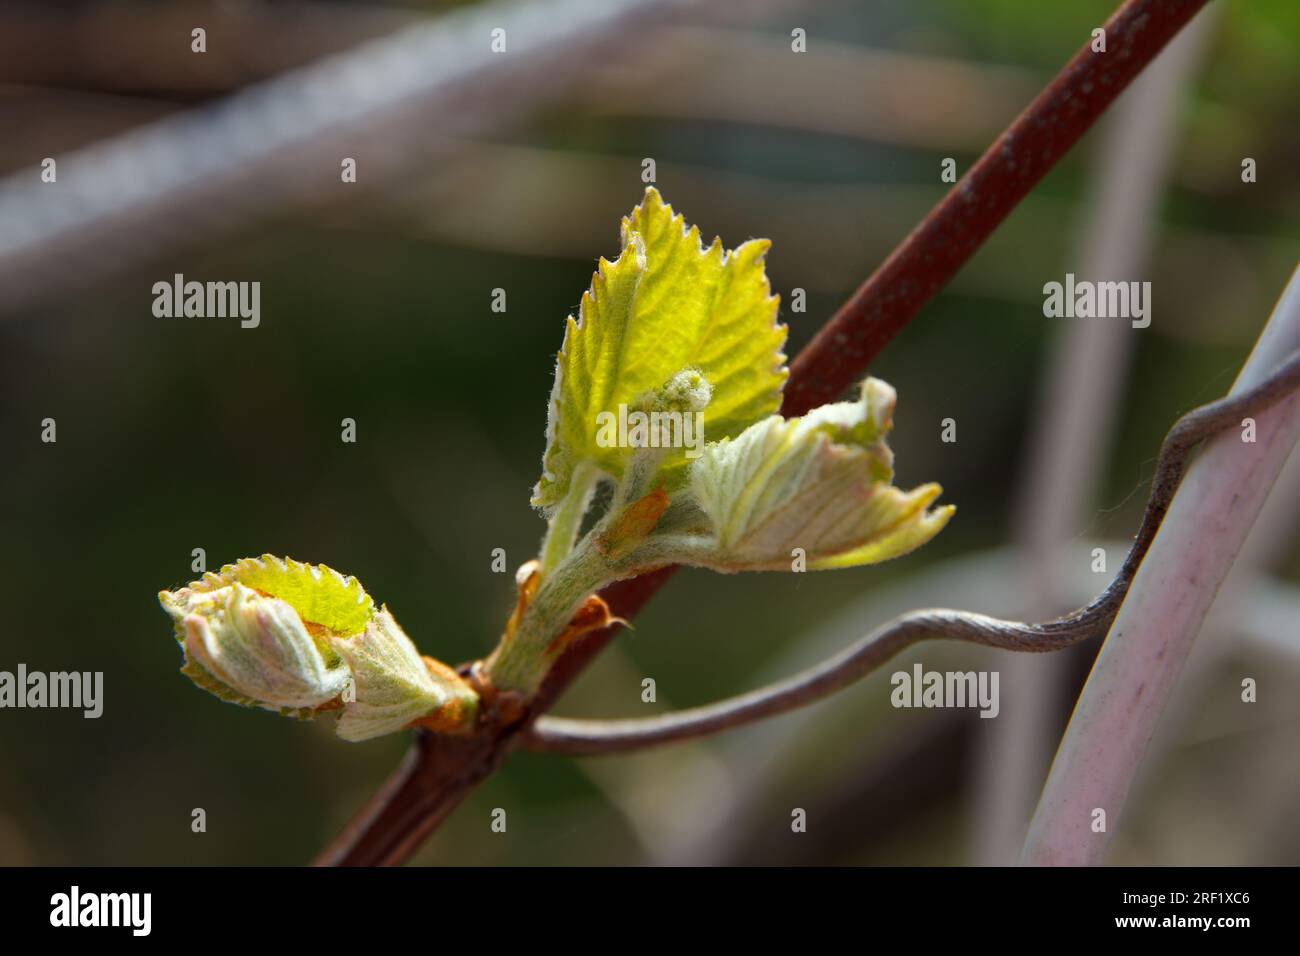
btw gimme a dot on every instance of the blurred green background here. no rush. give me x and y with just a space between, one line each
176 434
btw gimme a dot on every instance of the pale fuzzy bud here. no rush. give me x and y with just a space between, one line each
820 483
687 391
276 633
395 686
255 646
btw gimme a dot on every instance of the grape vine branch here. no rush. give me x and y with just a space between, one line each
440 770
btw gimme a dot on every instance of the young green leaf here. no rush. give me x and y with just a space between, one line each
820 483
666 305
318 593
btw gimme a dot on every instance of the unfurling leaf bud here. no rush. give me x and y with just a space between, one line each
820 482
287 636
257 648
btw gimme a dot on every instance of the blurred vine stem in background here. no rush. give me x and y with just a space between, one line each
440 770
1082 390
1152 635
206 171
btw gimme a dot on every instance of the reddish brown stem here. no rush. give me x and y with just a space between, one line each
940 245
440 772
434 776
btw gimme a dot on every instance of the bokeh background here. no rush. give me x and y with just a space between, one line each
175 434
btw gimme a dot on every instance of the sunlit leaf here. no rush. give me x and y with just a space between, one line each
665 305
820 483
